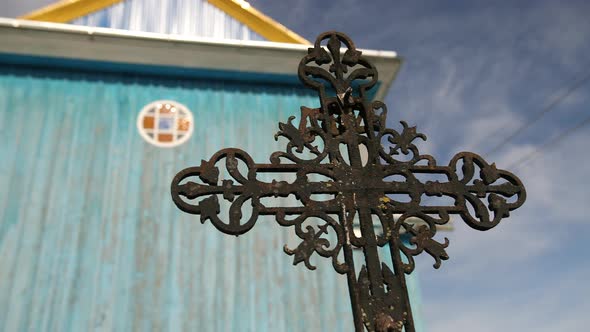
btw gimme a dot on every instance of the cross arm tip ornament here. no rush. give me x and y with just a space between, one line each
365 166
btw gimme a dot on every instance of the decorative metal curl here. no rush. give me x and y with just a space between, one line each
366 167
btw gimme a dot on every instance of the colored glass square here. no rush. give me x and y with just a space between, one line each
183 124
148 122
165 123
165 137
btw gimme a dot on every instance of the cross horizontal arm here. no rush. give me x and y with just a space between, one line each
496 185
503 190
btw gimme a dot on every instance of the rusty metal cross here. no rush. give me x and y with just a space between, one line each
366 167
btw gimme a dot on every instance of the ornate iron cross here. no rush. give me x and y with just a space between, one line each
366 164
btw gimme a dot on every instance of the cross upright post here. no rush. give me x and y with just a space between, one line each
347 141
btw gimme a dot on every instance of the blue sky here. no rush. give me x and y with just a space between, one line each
474 72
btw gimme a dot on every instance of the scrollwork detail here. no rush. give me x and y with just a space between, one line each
402 142
497 185
420 237
301 139
313 240
362 72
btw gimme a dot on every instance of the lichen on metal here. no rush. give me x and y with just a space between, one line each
346 140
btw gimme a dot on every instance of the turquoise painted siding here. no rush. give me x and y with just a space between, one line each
90 239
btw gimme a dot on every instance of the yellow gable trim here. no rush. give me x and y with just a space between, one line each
261 24
68 10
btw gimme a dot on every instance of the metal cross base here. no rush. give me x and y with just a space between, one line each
344 141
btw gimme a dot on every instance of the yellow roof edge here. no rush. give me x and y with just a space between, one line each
261 24
67 10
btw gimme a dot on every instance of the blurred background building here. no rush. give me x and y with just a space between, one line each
97 116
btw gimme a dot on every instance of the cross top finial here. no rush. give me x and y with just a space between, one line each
367 165
340 74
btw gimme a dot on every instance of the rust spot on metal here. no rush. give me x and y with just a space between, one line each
385 323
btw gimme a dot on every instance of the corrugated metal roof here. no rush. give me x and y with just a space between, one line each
183 17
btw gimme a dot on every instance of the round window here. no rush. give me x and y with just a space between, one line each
165 123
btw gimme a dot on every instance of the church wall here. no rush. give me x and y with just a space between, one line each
90 239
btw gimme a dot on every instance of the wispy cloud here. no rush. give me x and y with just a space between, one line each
553 308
